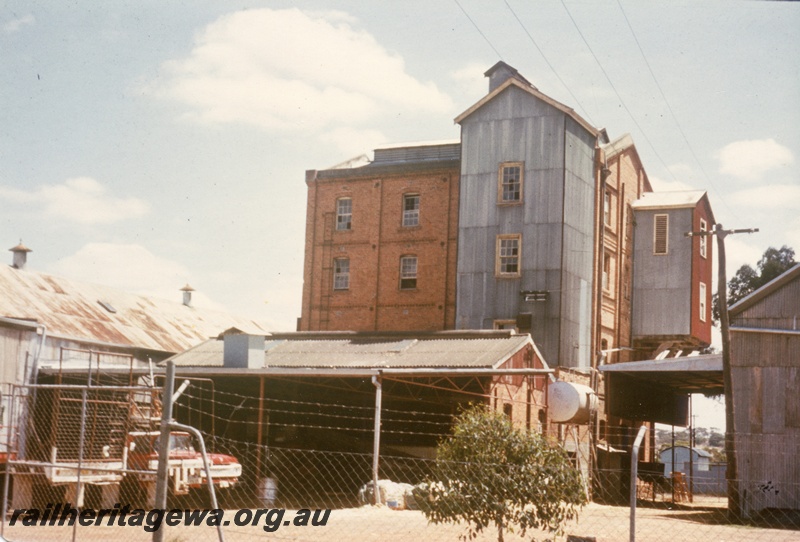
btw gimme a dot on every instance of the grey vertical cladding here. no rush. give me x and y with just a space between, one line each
662 289
556 240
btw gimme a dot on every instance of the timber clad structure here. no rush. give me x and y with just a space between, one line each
549 225
672 276
765 369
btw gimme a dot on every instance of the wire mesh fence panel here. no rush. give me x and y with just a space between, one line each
304 470
67 466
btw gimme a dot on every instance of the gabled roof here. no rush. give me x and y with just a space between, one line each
677 199
772 286
698 451
530 89
622 144
373 350
619 145
501 66
98 314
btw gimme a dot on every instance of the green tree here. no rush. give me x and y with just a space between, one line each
773 263
487 472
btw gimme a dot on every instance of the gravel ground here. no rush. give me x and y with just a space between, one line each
606 523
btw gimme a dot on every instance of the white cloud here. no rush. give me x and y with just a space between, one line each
293 70
751 159
132 268
354 141
16 24
741 250
81 200
661 185
471 79
769 197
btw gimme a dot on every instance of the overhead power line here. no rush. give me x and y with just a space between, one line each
669 107
619 97
479 30
552 68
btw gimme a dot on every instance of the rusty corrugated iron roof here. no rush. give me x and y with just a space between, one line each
91 312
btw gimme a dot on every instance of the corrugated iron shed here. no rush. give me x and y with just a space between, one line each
80 311
477 350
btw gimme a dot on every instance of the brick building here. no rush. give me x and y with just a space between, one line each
623 181
380 248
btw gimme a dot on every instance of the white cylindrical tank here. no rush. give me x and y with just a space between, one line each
568 402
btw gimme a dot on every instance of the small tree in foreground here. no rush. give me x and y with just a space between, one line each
488 473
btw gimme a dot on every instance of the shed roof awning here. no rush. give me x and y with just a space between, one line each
693 374
480 352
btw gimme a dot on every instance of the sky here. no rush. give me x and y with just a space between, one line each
149 144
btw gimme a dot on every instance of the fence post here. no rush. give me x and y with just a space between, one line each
162 474
206 467
376 380
9 465
78 489
634 476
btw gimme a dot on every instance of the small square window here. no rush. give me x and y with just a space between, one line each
508 255
408 272
410 210
344 213
510 183
341 274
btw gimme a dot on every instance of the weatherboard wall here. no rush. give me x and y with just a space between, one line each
554 219
765 369
662 284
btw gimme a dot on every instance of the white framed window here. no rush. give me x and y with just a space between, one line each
702 307
341 274
408 272
344 214
607 208
660 234
410 210
509 182
607 272
507 259
703 239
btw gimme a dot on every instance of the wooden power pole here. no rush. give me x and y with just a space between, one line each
731 473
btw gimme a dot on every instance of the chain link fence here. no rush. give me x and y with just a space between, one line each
81 465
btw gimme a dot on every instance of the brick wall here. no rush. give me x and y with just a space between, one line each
374 246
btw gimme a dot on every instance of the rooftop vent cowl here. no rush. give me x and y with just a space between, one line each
187 295
20 255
